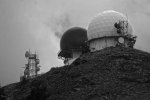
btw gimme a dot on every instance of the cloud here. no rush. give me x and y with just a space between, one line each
59 24
134 6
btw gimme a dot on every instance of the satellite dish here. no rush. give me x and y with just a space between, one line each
26 65
37 69
27 54
26 71
121 40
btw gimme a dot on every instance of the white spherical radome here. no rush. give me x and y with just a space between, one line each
103 25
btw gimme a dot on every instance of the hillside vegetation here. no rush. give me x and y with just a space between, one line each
114 73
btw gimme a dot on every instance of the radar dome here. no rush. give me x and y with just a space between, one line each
103 25
72 39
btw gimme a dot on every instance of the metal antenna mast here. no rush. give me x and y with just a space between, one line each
32 67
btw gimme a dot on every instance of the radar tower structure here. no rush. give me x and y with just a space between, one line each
31 67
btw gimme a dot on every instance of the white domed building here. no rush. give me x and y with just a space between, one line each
110 28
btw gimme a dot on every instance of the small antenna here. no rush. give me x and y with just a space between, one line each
127 23
35 51
29 51
127 17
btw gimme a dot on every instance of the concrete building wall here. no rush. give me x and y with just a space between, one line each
102 43
75 54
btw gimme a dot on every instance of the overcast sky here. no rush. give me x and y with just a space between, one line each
39 24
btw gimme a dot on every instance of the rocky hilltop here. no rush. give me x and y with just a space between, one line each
114 73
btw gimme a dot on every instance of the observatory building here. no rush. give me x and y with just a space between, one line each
72 44
110 28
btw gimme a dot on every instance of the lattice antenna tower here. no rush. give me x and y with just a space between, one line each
31 68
